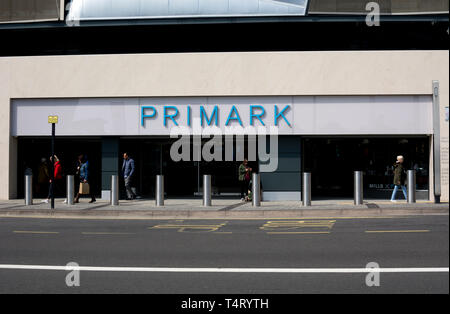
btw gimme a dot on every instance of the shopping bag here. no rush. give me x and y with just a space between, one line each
84 188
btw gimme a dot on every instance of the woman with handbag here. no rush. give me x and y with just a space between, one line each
85 188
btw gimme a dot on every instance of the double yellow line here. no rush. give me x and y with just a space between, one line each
36 232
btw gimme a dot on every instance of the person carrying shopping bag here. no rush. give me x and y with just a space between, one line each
84 175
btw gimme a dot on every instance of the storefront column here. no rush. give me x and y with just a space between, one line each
110 164
436 144
285 182
13 180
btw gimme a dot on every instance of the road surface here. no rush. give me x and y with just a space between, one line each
324 255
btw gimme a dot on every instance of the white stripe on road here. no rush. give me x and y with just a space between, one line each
231 270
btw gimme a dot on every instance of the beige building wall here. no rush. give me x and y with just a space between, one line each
218 74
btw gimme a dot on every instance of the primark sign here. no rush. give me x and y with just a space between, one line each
172 115
225 129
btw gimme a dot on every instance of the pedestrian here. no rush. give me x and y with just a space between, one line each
128 176
399 178
86 186
43 178
77 172
244 173
56 183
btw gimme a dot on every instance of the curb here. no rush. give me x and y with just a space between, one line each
360 211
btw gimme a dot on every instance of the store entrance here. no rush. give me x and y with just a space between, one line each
333 160
182 178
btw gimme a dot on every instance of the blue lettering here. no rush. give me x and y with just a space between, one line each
257 116
145 116
189 116
170 116
281 114
230 116
214 114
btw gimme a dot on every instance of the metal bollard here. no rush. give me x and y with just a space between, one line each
411 186
159 190
70 189
28 189
358 188
256 190
207 190
306 189
114 190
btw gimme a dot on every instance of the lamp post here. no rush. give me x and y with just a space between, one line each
52 120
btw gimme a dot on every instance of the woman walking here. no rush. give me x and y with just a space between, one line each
84 175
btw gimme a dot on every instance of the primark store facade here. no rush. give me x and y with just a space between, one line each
319 86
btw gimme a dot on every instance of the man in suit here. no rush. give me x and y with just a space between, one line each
128 174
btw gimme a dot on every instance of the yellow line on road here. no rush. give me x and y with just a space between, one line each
185 227
310 232
395 231
36 232
106 233
297 224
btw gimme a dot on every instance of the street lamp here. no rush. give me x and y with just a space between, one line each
53 120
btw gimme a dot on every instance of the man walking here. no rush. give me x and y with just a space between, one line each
399 178
128 173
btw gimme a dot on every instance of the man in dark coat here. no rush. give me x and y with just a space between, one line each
128 174
399 178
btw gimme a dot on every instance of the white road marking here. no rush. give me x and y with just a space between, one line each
231 270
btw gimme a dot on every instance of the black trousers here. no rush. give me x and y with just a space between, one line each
244 187
57 190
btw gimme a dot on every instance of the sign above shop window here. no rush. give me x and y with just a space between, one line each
290 115
53 119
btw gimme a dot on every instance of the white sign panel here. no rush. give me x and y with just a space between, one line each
301 115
